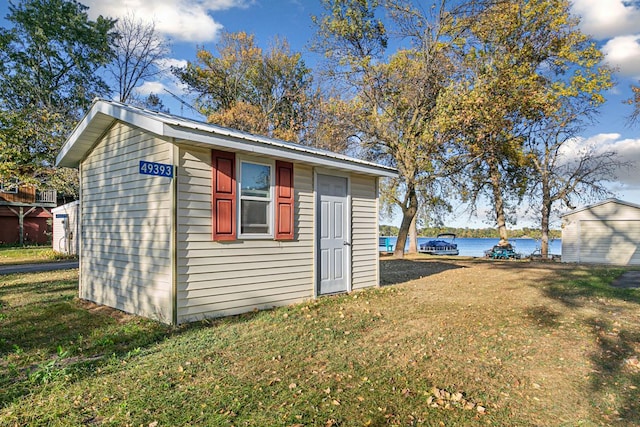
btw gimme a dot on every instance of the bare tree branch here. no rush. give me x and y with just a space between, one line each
139 50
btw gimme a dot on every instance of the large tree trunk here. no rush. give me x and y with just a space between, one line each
498 202
413 236
546 214
409 210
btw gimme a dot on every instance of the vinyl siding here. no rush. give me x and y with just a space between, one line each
610 242
605 234
364 232
126 221
225 278
570 240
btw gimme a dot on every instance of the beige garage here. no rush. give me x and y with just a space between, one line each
604 233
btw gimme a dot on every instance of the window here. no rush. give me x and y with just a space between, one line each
9 186
255 198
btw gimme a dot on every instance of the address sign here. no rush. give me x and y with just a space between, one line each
159 169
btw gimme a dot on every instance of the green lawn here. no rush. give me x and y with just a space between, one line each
29 254
522 344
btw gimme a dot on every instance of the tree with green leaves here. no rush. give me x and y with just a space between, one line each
485 108
49 59
244 87
392 97
571 81
528 77
153 102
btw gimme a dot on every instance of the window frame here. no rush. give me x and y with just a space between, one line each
11 187
271 200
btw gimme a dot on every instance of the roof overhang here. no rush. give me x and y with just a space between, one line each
604 202
103 114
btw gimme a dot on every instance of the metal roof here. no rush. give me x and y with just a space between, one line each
604 202
103 113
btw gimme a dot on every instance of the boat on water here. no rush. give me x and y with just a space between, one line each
439 246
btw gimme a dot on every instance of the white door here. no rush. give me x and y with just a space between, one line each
334 235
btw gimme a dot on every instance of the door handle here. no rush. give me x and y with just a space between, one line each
346 243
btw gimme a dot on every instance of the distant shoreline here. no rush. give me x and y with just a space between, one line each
473 233
476 246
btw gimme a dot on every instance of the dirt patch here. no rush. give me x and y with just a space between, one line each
119 316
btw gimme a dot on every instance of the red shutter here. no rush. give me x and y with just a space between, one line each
224 195
284 200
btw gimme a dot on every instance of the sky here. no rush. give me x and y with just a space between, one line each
192 24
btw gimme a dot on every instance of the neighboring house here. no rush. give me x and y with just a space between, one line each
182 220
603 233
25 216
65 228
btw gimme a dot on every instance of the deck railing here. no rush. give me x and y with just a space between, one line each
29 194
46 196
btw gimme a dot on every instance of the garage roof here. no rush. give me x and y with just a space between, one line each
604 202
104 113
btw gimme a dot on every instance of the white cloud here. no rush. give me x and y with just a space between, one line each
180 20
628 149
167 63
167 84
166 80
623 52
605 19
151 87
173 95
160 87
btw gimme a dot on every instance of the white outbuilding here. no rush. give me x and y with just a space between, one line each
182 220
65 228
603 233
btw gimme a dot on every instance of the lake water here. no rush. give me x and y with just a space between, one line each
476 246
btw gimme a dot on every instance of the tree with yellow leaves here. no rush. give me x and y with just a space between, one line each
244 87
529 79
635 101
389 98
